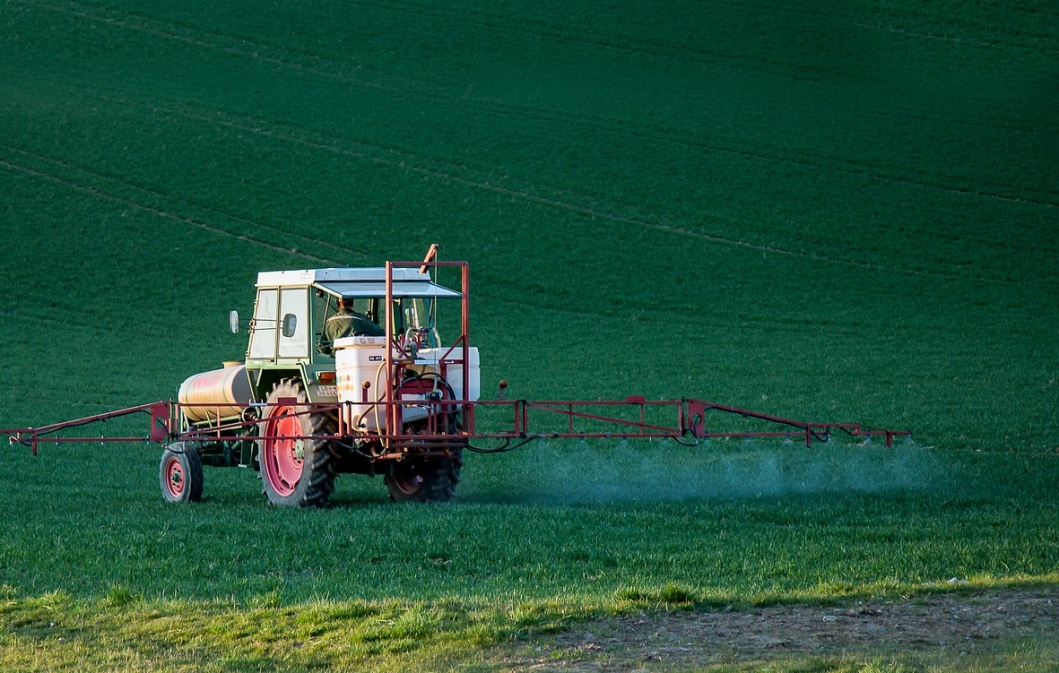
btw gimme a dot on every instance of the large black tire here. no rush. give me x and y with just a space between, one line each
425 480
295 472
180 473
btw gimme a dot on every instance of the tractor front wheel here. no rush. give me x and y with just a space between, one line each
180 473
296 467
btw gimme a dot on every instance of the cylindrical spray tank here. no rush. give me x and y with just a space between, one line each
220 389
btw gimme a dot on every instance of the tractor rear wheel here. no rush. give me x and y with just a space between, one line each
425 479
296 468
430 479
180 473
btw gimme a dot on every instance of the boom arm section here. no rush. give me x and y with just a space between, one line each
160 430
509 423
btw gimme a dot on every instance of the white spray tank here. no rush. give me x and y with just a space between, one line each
362 359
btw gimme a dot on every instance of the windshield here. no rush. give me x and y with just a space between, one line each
410 314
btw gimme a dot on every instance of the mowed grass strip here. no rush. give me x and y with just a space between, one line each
120 630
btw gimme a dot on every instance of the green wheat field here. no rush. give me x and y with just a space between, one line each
836 211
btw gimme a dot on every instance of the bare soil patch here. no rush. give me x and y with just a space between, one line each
943 624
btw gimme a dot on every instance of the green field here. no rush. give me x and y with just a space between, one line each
838 211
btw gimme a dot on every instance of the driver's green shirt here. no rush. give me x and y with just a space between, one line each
350 323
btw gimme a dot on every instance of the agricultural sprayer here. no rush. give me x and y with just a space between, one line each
346 371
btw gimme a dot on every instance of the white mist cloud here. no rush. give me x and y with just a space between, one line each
575 472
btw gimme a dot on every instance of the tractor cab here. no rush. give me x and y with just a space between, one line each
287 338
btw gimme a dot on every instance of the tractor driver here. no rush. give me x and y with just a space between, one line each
348 322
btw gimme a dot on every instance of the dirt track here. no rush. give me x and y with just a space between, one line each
956 623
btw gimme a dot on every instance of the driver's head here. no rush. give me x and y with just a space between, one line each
344 302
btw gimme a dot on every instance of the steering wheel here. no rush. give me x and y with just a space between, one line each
412 340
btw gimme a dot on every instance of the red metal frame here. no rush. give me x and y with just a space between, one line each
394 368
689 424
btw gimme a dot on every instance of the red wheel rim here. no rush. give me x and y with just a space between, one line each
283 455
174 477
408 480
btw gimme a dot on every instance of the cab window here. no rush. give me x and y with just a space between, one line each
295 301
265 326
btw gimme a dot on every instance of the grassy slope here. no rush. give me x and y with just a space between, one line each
842 213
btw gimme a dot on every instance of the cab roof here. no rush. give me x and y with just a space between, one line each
359 282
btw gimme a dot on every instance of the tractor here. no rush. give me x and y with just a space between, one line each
305 409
